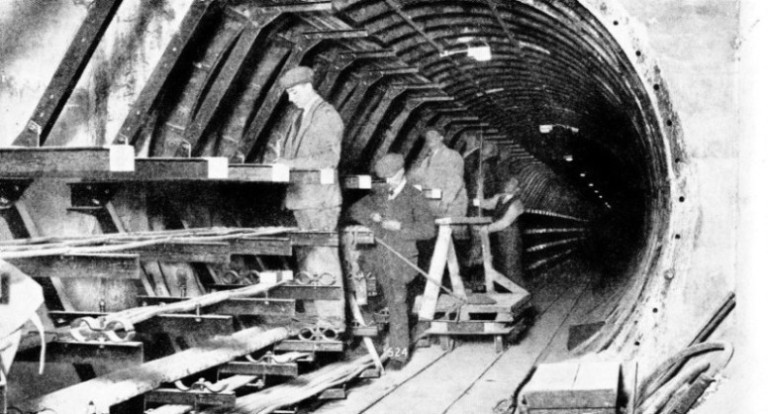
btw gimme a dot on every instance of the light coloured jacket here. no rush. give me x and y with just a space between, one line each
443 169
313 143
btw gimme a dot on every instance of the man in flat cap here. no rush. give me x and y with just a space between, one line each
313 141
398 215
441 168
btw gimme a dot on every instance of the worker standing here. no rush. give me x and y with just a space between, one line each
507 246
313 141
442 168
398 215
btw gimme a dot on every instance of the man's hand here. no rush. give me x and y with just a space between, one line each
376 217
392 225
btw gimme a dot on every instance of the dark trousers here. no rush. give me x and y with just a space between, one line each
395 292
508 246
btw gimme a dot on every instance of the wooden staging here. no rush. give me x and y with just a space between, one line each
474 377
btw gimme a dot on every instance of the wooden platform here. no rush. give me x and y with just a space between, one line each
473 377
491 307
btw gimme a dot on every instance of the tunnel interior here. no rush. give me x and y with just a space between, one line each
565 102
566 90
570 96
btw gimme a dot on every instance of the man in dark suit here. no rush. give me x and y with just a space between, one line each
398 215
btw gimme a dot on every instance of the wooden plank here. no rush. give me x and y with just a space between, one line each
176 324
251 306
85 266
178 397
299 292
66 161
501 380
122 385
169 169
266 173
267 246
436 388
325 176
336 34
178 45
457 284
72 352
436 269
236 307
68 73
293 345
225 80
290 369
185 251
367 393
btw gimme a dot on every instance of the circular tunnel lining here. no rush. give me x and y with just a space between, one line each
571 91
579 70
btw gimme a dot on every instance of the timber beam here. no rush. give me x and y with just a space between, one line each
68 73
179 324
308 6
118 386
266 246
236 307
294 345
393 71
295 291
368 54
83 266
184 251
123 354
288 369
336 34
65 161
224 83
178 45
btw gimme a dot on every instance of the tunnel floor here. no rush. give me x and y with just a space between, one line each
473 377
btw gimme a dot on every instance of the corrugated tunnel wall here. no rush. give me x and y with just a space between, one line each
572 94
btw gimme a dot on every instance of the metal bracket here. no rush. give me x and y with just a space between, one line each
90 197
370 331
200 393
338 393
11 190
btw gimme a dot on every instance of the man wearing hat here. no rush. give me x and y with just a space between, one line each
398 215
313 141
442 168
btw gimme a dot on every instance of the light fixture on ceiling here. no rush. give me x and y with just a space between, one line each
494 90
591 184
547 128
479 51
568 158
582 175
